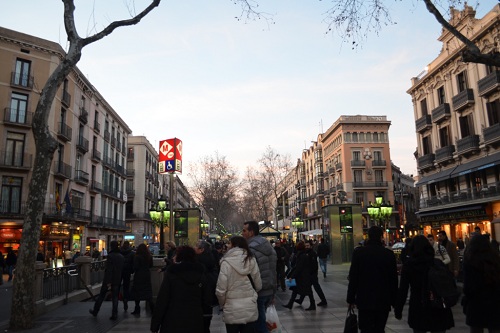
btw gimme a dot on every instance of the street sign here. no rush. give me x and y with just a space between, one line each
170 156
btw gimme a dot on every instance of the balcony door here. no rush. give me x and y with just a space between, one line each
11 195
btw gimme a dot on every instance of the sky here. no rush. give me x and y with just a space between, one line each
191 70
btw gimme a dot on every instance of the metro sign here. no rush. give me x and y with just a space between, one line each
170 156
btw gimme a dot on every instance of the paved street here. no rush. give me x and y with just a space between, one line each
74 317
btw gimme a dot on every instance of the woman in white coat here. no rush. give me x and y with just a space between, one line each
237 287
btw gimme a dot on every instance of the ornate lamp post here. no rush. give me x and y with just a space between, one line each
160 216
381 212
297 224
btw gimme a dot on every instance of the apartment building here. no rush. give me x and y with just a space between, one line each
457 118
85 201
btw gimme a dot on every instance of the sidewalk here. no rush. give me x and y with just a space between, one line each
74 317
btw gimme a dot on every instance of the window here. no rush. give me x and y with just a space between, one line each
15 149
18 108
462 81
22 73
467 125
356 155
493 110
426 145
347 137
375 137
11 195
377 155
358 176
441 96
423 107
379 176
359 197
354 137
444 137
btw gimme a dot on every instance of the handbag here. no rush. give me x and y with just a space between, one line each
290 283
351 321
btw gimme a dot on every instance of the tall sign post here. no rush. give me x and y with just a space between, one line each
170 161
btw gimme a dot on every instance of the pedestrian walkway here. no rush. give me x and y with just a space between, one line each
75 318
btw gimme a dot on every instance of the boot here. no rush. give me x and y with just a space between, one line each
312 304
137 310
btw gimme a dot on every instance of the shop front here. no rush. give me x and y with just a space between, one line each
10 239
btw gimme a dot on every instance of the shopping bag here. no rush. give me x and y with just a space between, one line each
272 321
351 322
290 283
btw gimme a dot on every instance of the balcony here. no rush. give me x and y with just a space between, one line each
64 132
81 177
331 171
380 184
492 135
358 163
95 187
82 144
107 135
339 187
118 145
62 170
426 161
12 208
130 155
489 84
130 173
16 117
423 123
468 145
463 100
84 115
113 142
445 154
66 98
18 162
130 192
441 113
123 148
96 155
338 166
108 162
379 163
21 80
97 127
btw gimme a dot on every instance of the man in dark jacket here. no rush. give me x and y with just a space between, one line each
314 273
128 270
205 257
373 283
323 253
112 280
282 256
266 259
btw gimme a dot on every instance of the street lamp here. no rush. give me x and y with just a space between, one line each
381 211
204 226
160 216
297 224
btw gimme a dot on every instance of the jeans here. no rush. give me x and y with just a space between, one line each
262 304
11 271
322 264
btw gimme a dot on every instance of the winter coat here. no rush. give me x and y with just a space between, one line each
482 300
11 259
183 295
373 277
234 290
323 251
114 267
266 259
302 272
451 250
441 253
208 261
128 266
420 317
142 288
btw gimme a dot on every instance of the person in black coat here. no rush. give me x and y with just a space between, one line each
11 262
373 282
301 272
183 295
204 255
111 281
142 289
421 317
128 270
481 286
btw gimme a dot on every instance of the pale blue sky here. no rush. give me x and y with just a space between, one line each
190 70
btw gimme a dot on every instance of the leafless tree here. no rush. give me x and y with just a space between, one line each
23 303
355 20
215 187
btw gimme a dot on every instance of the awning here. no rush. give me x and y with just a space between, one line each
451 210
479 164
314 232
436 177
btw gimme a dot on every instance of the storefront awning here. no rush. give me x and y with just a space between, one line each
442 175
479 164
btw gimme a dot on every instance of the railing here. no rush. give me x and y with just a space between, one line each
444 153
83 115
62 169
440 113
17 117
14 160
369 184
423 123
463 99
21 80
489 84
358 163
82 144
468 144
66 98
486 192
60 280
426 161
491 134
64 131
376 163
97 126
